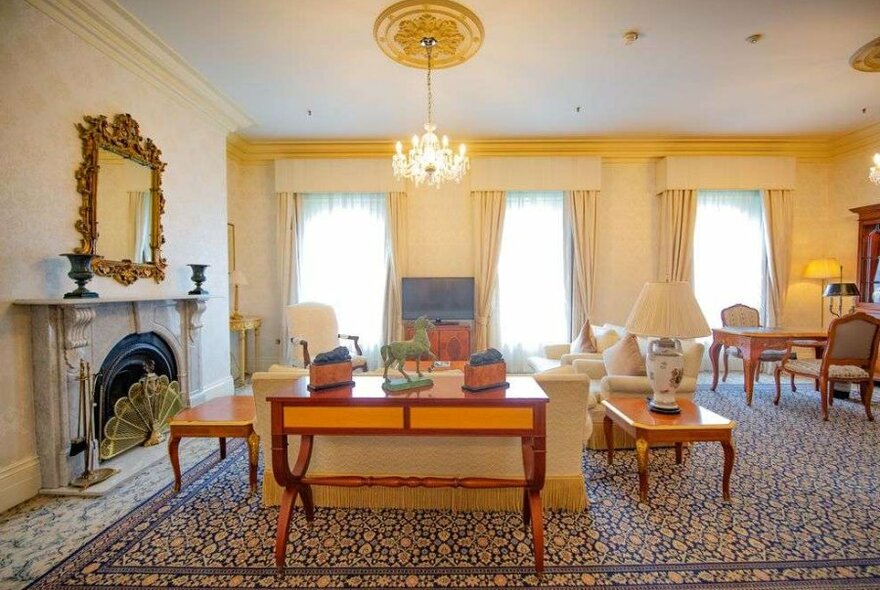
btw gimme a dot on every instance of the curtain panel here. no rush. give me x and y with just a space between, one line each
582 223
778 214
488 217
397 248
286 240
678 214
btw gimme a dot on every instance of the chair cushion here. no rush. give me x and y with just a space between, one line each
624 358
812 367
584 340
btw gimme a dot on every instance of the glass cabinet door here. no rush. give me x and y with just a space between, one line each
871 261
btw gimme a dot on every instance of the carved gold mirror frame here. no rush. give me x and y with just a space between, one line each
122 137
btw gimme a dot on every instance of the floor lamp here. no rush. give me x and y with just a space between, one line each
824 269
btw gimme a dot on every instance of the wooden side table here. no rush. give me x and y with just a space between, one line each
222 417
242 325
693 424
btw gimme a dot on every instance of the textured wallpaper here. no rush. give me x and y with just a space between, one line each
51 78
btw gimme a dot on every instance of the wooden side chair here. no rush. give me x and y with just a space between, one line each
743 316
849 358
313 329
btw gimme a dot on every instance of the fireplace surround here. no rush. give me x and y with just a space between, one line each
65 331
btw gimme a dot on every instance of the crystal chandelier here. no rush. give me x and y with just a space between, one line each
874 174
430 160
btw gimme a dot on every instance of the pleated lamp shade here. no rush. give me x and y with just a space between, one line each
822 268
667 310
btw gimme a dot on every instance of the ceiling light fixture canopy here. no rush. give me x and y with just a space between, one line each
430 160
874 174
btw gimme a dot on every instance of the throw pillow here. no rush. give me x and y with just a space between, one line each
604 337
624 358
584 340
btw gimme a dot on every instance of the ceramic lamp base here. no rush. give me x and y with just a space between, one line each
665 365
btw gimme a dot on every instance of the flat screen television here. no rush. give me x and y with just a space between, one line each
439 298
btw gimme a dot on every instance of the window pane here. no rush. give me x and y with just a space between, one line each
531 277
343 261
728 252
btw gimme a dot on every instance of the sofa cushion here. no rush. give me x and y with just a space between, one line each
541 363
604 337
624 358
584 340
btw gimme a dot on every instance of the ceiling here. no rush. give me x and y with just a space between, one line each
691 73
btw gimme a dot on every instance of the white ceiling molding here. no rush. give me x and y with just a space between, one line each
107 26
336 176
725 172
531 174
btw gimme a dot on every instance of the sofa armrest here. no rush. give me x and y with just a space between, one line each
555 351
568 358
625 384
594 368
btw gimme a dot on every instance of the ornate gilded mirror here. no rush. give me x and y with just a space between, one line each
120 181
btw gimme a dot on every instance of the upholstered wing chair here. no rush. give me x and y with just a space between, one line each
849 358
313 329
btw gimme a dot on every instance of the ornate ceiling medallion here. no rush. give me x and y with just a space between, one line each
867 58
399 31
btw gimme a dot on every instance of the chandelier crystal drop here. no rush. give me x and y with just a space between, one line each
874 174
430 160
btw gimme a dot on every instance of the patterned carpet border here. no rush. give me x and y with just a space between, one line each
176 541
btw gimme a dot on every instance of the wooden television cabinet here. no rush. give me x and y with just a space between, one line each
450 342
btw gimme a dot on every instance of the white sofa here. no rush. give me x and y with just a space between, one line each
564 488
557 355
603 386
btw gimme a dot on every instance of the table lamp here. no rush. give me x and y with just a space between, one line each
238 280
823 268
840 290
668 311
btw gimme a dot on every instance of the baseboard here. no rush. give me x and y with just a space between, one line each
225 386
19 481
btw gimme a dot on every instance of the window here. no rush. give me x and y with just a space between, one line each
343 261
531 298
729 252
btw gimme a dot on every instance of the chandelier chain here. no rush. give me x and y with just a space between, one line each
429 43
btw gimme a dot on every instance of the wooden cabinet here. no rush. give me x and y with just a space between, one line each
868 258
450 342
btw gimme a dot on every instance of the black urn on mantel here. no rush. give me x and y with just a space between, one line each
198 277
81 273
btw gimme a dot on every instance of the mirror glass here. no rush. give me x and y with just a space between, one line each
125 208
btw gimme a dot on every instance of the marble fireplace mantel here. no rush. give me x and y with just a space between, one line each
64 331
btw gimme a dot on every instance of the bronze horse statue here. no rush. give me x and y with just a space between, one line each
405 350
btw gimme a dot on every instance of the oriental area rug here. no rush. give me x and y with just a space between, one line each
805 513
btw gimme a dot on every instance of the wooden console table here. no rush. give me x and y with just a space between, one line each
242 325
441 410
752 342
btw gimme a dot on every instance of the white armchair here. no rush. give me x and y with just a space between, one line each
603 386
313 329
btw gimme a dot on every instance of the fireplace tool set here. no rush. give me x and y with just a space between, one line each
85 441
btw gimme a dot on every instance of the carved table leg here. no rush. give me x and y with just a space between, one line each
750 366
642 457
173 444
608 425
729 458
714 349
537 515
678 453
222 447
288 499
253 442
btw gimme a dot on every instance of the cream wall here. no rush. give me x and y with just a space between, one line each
51 78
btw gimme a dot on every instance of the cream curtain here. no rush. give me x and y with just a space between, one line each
140 206
286 240
580 211
397 247
678 214
488 217
778 214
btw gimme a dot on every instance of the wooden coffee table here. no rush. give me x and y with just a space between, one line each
222 417
693 424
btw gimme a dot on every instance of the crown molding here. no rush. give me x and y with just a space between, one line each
860 139
107 26
611 149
